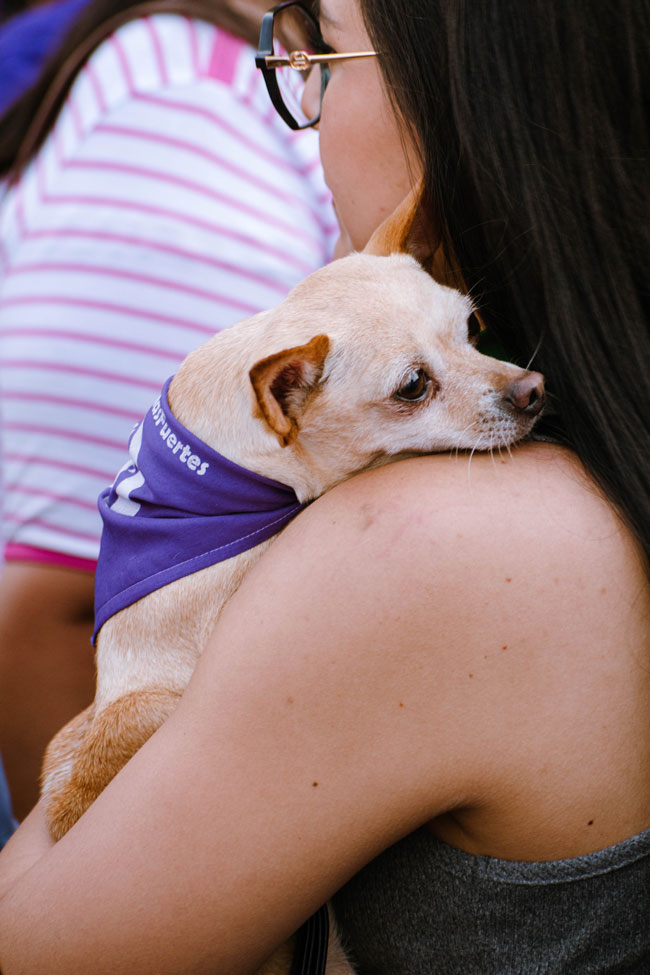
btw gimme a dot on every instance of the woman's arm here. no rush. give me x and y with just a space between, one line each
354 689
24 849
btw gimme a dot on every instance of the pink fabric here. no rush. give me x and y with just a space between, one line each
267 153
81 201
112 307
225 54
157 46
173 355
74 403
172 179
41 556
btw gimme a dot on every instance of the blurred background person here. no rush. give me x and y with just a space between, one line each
152 197
26 40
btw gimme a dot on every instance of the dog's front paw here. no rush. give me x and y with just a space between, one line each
92 748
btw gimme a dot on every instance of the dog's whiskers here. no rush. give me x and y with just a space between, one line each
464 431
469 464
535 351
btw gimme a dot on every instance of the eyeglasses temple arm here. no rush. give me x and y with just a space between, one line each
275 61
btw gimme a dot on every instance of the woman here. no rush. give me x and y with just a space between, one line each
463 670
166 200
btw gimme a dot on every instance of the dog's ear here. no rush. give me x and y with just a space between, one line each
284 382
407 230
410 229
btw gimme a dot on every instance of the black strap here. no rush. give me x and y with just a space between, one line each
310 956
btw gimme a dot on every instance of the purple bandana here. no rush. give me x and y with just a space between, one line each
177 507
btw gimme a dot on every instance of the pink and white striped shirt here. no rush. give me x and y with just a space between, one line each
168 202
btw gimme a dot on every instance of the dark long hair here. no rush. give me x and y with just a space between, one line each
532 118
25 125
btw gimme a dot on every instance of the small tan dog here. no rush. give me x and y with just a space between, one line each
368 360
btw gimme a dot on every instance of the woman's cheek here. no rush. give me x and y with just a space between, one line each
338 183
362 155
343 246
347 178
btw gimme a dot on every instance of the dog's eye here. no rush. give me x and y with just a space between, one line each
415 387
473 328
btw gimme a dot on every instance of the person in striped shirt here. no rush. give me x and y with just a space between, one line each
159 200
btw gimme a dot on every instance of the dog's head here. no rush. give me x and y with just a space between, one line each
390 369
367 360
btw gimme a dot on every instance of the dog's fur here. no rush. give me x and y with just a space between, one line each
307 394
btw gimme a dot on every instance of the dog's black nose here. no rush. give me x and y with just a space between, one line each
527 394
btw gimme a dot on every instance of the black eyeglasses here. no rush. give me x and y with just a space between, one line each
290 47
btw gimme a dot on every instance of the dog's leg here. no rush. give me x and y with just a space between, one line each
84 757
61 753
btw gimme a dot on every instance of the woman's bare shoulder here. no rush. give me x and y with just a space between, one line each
540 477
536 508
488 581
516 601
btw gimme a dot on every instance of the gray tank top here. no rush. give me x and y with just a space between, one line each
426 908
